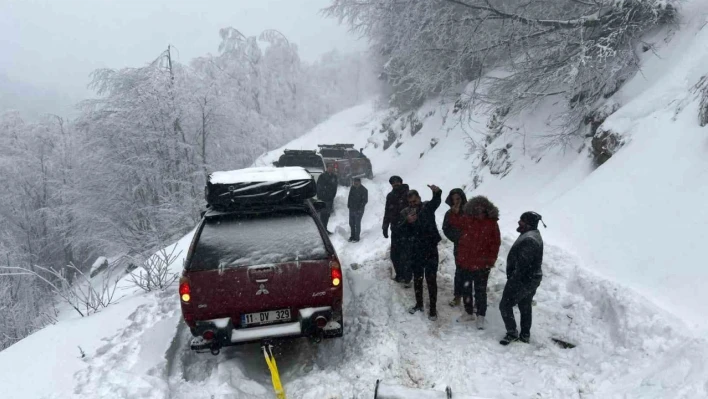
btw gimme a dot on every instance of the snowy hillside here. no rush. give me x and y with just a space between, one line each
623 268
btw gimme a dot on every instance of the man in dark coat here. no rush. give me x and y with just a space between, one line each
326 191
396 201
524 274
358 197
421 237
456 200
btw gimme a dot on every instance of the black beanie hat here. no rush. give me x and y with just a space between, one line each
532 219
394 179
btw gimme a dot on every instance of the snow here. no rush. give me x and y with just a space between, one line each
308 312
388 391
623 271
255 333
260 174
221 323
98 263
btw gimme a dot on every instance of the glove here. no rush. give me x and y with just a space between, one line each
385 232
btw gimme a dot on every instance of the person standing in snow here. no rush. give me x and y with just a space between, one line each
456 200
396 201
358 197
421 237
524 274
326 191
477 251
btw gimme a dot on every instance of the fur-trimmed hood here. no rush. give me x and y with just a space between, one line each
490 209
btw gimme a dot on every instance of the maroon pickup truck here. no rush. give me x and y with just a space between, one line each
348 163
261 269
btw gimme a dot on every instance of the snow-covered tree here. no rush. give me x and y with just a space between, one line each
127 176
580 49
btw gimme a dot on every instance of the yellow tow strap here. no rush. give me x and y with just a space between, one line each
270 360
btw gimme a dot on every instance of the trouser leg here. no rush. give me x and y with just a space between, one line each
458 282
418 275
357 223
526 310
431 276
466 283
352 224
325 213
516 292
396 247
480 279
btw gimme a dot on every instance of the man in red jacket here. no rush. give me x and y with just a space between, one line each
477 251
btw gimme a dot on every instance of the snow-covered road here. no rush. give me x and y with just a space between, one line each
625 346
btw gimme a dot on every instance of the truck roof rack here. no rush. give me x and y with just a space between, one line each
303 152
336 145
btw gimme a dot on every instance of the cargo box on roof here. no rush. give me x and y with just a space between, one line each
259 186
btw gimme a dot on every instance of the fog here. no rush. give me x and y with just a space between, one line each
50 46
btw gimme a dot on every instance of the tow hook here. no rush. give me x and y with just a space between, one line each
215 350
317 337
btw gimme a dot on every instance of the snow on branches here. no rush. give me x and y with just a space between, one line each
524 51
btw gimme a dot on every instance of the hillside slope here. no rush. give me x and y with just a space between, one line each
637 219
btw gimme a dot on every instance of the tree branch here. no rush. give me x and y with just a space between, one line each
593 19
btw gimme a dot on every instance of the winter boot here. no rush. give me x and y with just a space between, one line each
509 338
416 308
480 322
455 301
433 315
524 338
466 318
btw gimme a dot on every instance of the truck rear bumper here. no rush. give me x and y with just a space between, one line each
305 326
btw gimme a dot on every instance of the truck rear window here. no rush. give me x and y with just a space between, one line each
303 161
235 241
332 153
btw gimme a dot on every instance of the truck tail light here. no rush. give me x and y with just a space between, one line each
185 292
336 273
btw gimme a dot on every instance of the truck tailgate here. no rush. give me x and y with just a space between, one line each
232 292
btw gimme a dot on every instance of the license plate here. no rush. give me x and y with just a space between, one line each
260 318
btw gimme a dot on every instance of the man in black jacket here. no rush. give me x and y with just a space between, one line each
421 236
524 274
326 191
396 201
358 197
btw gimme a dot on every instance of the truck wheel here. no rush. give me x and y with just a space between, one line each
370 174
347 181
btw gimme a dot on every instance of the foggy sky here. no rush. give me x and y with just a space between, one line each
55 44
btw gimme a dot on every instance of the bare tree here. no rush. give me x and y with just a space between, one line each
155 273
83 295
